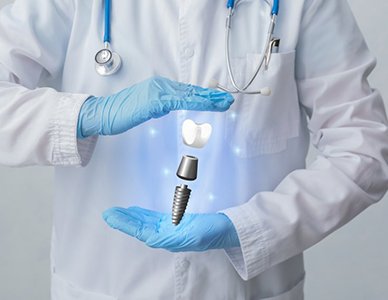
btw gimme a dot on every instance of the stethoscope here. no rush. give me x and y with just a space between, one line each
271 45
109 62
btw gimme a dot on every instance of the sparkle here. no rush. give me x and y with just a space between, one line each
152 132
237 150
233 116
166 171
211 197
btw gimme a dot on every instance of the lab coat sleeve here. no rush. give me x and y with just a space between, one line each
37 125
348 126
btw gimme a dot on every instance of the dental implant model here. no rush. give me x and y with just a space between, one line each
188 170
196 136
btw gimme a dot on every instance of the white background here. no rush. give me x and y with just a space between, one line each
350 264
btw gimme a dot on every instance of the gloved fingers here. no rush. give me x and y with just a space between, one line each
168 243
169 86
140 214
171 240
187 91
181 238
146 212
119 220
212 101
176 88
132 222
177 96
208 99
172 87
196 232
193 242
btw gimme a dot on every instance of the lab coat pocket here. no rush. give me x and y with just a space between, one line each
62 289
256 124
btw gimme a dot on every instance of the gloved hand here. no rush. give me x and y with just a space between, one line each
152 98
196 232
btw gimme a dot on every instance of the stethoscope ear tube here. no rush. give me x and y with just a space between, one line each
265 58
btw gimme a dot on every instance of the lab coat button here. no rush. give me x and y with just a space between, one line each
188 52
185 264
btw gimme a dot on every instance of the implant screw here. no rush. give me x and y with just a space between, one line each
187 170
181 198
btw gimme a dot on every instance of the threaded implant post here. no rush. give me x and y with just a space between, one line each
181 198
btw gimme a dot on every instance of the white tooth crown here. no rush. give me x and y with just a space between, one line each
196 135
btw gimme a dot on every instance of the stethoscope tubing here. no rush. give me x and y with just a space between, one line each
113 66
231 4
275 6
108 9
258 68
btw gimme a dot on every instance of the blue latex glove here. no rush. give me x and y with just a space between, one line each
196 232
152 98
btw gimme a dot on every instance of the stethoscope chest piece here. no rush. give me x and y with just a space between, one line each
107 62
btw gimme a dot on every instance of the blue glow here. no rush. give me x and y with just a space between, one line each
233 116
237 150
183 113
152 132
211 197
166 171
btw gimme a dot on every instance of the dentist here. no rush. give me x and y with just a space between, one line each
115 141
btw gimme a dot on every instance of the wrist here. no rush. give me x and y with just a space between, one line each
233 238
89 118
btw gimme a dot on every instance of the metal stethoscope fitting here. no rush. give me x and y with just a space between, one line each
107 61
187 170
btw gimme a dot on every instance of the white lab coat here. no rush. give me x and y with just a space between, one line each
253 168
